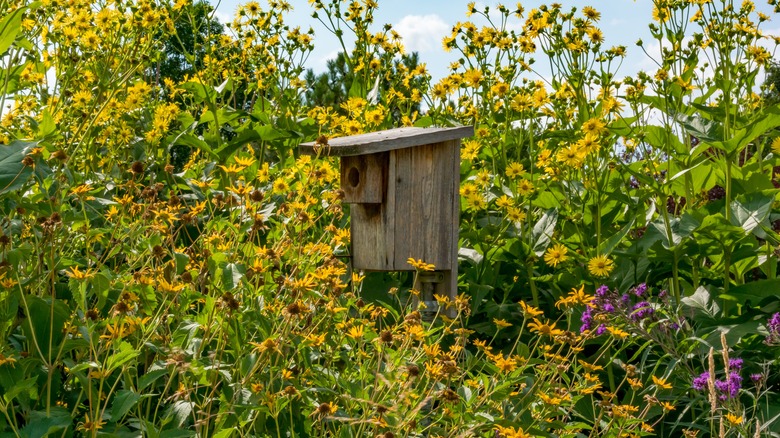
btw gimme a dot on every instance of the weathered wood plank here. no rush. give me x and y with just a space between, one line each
364 178
424 212
370 240
387 140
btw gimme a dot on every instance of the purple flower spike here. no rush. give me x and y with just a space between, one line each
601 329
640 290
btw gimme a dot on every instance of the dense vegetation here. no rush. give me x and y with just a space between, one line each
170 266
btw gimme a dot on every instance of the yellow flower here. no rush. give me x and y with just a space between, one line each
776 146
556 254
420 265
616 332
576 296
661 383
734 419
600 266
514 170
525 187
505 364
6 360
544 328
78 274
501 323
667 406
511 432
531 311
356 332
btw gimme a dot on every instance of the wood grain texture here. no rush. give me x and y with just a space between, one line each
364 178
382 141
424 204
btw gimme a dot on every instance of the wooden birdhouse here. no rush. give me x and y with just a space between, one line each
403 187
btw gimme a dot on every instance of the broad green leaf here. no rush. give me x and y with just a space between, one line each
194 142
14 174
701 303
124 400
42 424
10 27
752 213
44 324
754 292
125 353
543 231
150 377
232 275
26 386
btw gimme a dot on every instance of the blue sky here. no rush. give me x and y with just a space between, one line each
423 23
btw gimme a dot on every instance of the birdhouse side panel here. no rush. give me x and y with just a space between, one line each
425 188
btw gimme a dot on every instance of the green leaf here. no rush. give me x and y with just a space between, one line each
752 213
702 303
26 386
150 377
232 275
123 401
14 174
194 142
42 425
125 353
543 231
10 27
44 324
755 291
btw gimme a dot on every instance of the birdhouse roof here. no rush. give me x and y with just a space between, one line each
382 141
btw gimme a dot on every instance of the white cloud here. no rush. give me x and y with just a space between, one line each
422 33
223 17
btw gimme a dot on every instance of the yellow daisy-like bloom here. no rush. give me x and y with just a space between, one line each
501 323
556 254
420 265
661 383
600 266
776 146
530 310
734 419
544 329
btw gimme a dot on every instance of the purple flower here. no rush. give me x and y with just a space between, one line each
640 290
601 329
625 299
608 307
586 319
602 291
757 377
773 326
641 310
700 383
730 387
774 323
736 363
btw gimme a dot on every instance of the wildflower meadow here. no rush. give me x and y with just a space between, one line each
172 266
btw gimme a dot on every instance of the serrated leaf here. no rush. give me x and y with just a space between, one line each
124 400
